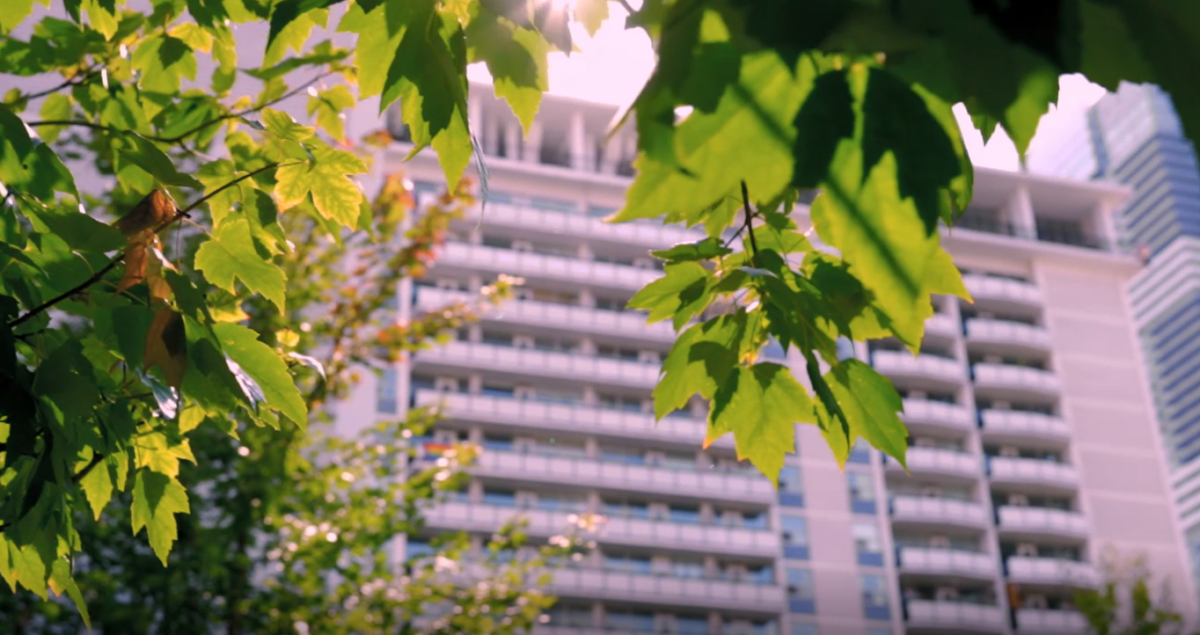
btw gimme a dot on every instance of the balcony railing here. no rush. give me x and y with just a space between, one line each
509 360
1010 377
954 617
1014 424
532 265
1041 520
612 530
934 461
1046 622
1051 571
923 412
917 560
576 318
621 476
937 511
1018 471
941 324
927 367
650 235
1008 333
1002 290
552 416
666 590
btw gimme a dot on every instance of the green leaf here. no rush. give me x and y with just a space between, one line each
156 499
329 106
161 450
266 367
12 12
77 229
98 488
283 126
591 14
230 254
825 118
681 293
870 405
705 249
163 61
701 360
27 165
142 152
761 406
66 384
287 11
61 581
334 194
57 107
515 58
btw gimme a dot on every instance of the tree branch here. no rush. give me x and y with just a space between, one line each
748 226
96 458
101 272
82 77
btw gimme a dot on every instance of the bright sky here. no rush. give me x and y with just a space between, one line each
613 66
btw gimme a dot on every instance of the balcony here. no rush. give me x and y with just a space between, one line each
922 370
561 317
941 325
1014 425
1041 521
1035 473
945 562
547 364
1045 622
1004 292
937 512
615 586
938 463
648 234
541 266
1005 335
1007 380
659 534
923 413
581 472
1051 571
550 417
953 617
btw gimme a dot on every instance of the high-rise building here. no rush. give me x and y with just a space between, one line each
1034 447
1134 137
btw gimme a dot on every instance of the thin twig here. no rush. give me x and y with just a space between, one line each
749 227
100 273
86 75
96 458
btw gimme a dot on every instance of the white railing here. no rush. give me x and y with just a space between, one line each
532 265
666 590
941 324
1009 376
1042 520
938 510
577 318
1018 470
923 411
958 615
1007 332
611 530
651 235
585 472
507 359
939 461
1051 571
946 561
896 363
558 416
1039 622
1017 423
991 288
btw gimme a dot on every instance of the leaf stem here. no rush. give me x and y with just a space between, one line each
749 227
96 458
100 273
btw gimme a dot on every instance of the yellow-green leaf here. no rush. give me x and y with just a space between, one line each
230 254
156 499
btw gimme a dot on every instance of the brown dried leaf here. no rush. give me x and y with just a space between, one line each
153 210
166 345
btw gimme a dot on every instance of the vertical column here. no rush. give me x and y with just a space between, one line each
1020 213
576 141
512 139
531 148
475 115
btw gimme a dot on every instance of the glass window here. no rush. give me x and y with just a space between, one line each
498 197
625 509
499 497
633 621
879 631
862 492
795 537
552 205
803 628
691 625
689 569
684 515
417 548
386 391
867 544
861 452
570 616
628 563
875 597
800 591
790 487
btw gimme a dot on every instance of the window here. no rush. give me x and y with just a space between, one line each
416 548
691 625
553 205
803 628
879 631
500 498
386 392
684 515
628 563
800 591
861 452
875 597
790 491
633 621
795 537
625 509
687 569
867 545
570 616
862 492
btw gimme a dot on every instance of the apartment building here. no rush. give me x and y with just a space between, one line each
1134 137
1033 439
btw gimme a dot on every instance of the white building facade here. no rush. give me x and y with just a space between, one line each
1033 446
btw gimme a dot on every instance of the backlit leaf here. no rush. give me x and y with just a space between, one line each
230 255
266 367
156 499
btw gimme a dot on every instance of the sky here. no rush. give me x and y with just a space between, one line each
612 67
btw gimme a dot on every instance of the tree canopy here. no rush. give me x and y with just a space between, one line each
115 347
